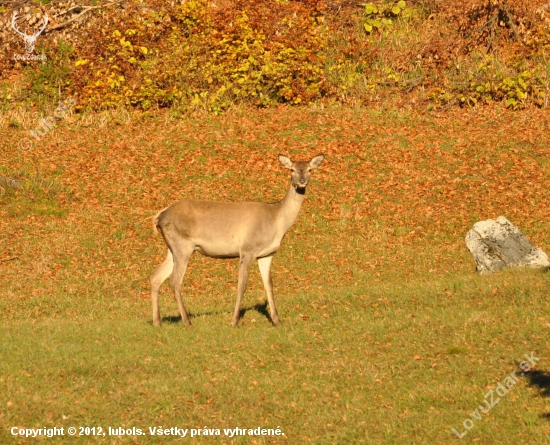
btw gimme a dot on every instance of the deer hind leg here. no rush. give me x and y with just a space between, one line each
265 269
156 280
182 253
246 262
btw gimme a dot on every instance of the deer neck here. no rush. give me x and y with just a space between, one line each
290 206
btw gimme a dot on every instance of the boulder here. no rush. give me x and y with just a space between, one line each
9 181
499 244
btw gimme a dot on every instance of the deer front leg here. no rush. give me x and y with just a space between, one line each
265 269
246 261
182 253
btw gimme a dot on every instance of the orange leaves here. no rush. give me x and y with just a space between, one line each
413 185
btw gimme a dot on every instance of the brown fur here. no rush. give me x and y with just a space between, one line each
248 230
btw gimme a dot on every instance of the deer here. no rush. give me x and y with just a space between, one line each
250 231
30 41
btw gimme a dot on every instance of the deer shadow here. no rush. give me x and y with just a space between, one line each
173 319
260 308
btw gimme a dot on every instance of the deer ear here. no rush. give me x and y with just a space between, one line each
285 162
316 161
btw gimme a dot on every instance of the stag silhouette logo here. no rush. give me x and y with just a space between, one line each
30 41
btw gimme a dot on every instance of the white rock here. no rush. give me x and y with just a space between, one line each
499 244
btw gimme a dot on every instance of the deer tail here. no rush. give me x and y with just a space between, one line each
156 221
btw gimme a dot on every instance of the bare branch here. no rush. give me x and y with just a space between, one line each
512 24
85 9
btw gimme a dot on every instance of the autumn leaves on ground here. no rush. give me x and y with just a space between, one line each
388 334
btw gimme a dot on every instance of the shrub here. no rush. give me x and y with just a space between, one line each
208 57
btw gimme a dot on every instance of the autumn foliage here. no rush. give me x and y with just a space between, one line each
212 55
208 57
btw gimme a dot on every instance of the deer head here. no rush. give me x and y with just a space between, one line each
30 41
301 170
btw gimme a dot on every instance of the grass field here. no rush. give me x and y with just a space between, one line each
389 336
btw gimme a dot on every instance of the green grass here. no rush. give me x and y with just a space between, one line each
374 363
388 335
